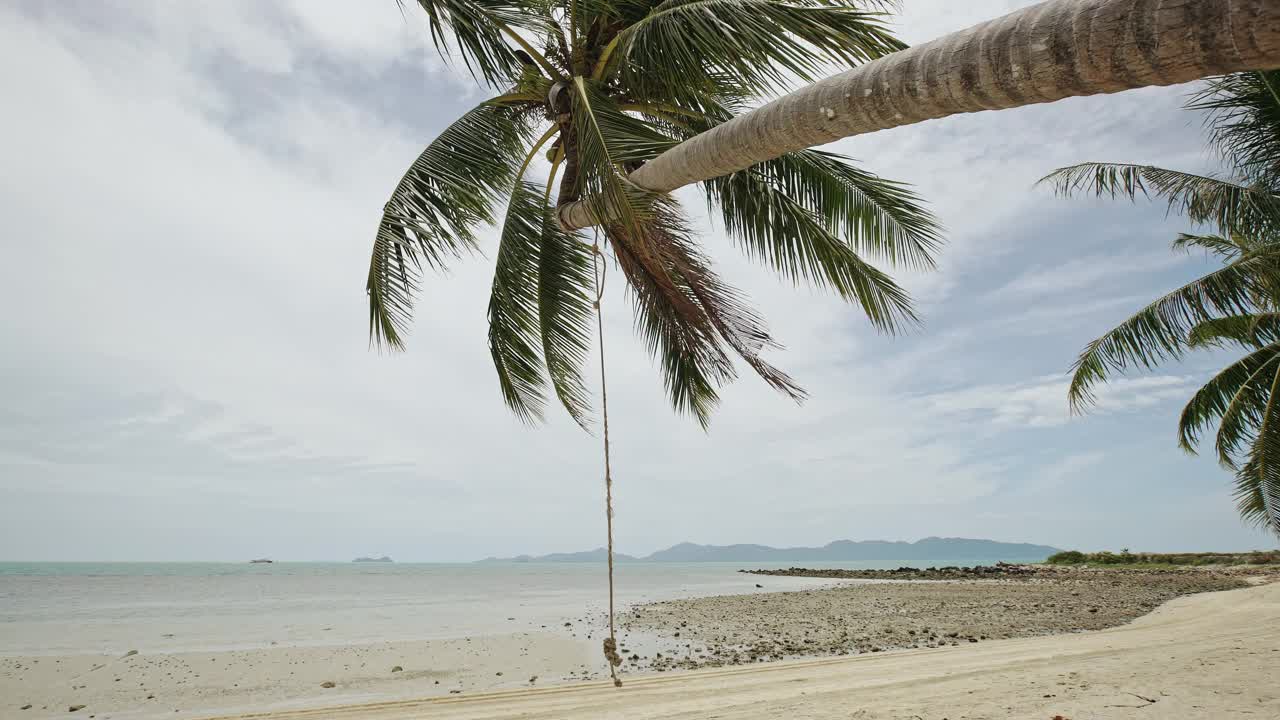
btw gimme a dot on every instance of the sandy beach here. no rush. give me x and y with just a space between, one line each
971 649
192 684
221 638
1210 655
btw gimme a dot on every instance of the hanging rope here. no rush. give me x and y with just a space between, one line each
598 269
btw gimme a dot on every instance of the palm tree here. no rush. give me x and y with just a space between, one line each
1043 53
600 87
1236 305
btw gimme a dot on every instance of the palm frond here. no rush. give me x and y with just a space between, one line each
514 329
689 317
430 219
1258 480
1250 331
481 31
1228 248
671 322
879 218
762 44
1241 415
1232 391
726 309
1160 330
565 308
1244 122
1247 209
777 230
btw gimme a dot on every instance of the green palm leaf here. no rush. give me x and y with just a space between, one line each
481 30
431 217
1258 481
1160 330
565 309
1244 122
1241 416
1204 199
1235 391
540 309
1227 248
514 328
763 45
779 231
1250 331
880 218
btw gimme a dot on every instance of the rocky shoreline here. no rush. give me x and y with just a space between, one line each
964 605
950 572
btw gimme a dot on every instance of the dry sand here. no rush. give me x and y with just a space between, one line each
196 684
1212 655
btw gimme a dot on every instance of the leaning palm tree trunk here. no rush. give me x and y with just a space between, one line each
1047 52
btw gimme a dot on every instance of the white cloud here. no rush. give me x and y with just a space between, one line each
1082 274
1042 402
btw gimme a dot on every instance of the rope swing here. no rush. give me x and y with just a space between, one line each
598 269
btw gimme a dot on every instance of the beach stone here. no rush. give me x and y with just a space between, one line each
397 669
131 653
328 684
25 707
74 708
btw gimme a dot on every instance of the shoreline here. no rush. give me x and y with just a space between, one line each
855 619
1198 657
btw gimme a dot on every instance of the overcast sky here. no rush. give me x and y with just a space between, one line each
187 205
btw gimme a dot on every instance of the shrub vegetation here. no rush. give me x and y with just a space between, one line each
1124 557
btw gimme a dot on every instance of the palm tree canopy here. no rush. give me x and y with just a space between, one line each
1037 54
1236 305
597 88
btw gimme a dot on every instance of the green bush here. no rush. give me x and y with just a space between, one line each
1124 557
1067 557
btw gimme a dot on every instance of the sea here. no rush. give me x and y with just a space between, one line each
92 607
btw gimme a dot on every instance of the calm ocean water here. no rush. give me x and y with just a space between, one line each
48 608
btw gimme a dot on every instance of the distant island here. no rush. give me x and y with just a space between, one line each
930 549
384 558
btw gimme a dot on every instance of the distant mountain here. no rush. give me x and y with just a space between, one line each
384 558
931 550
597 555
